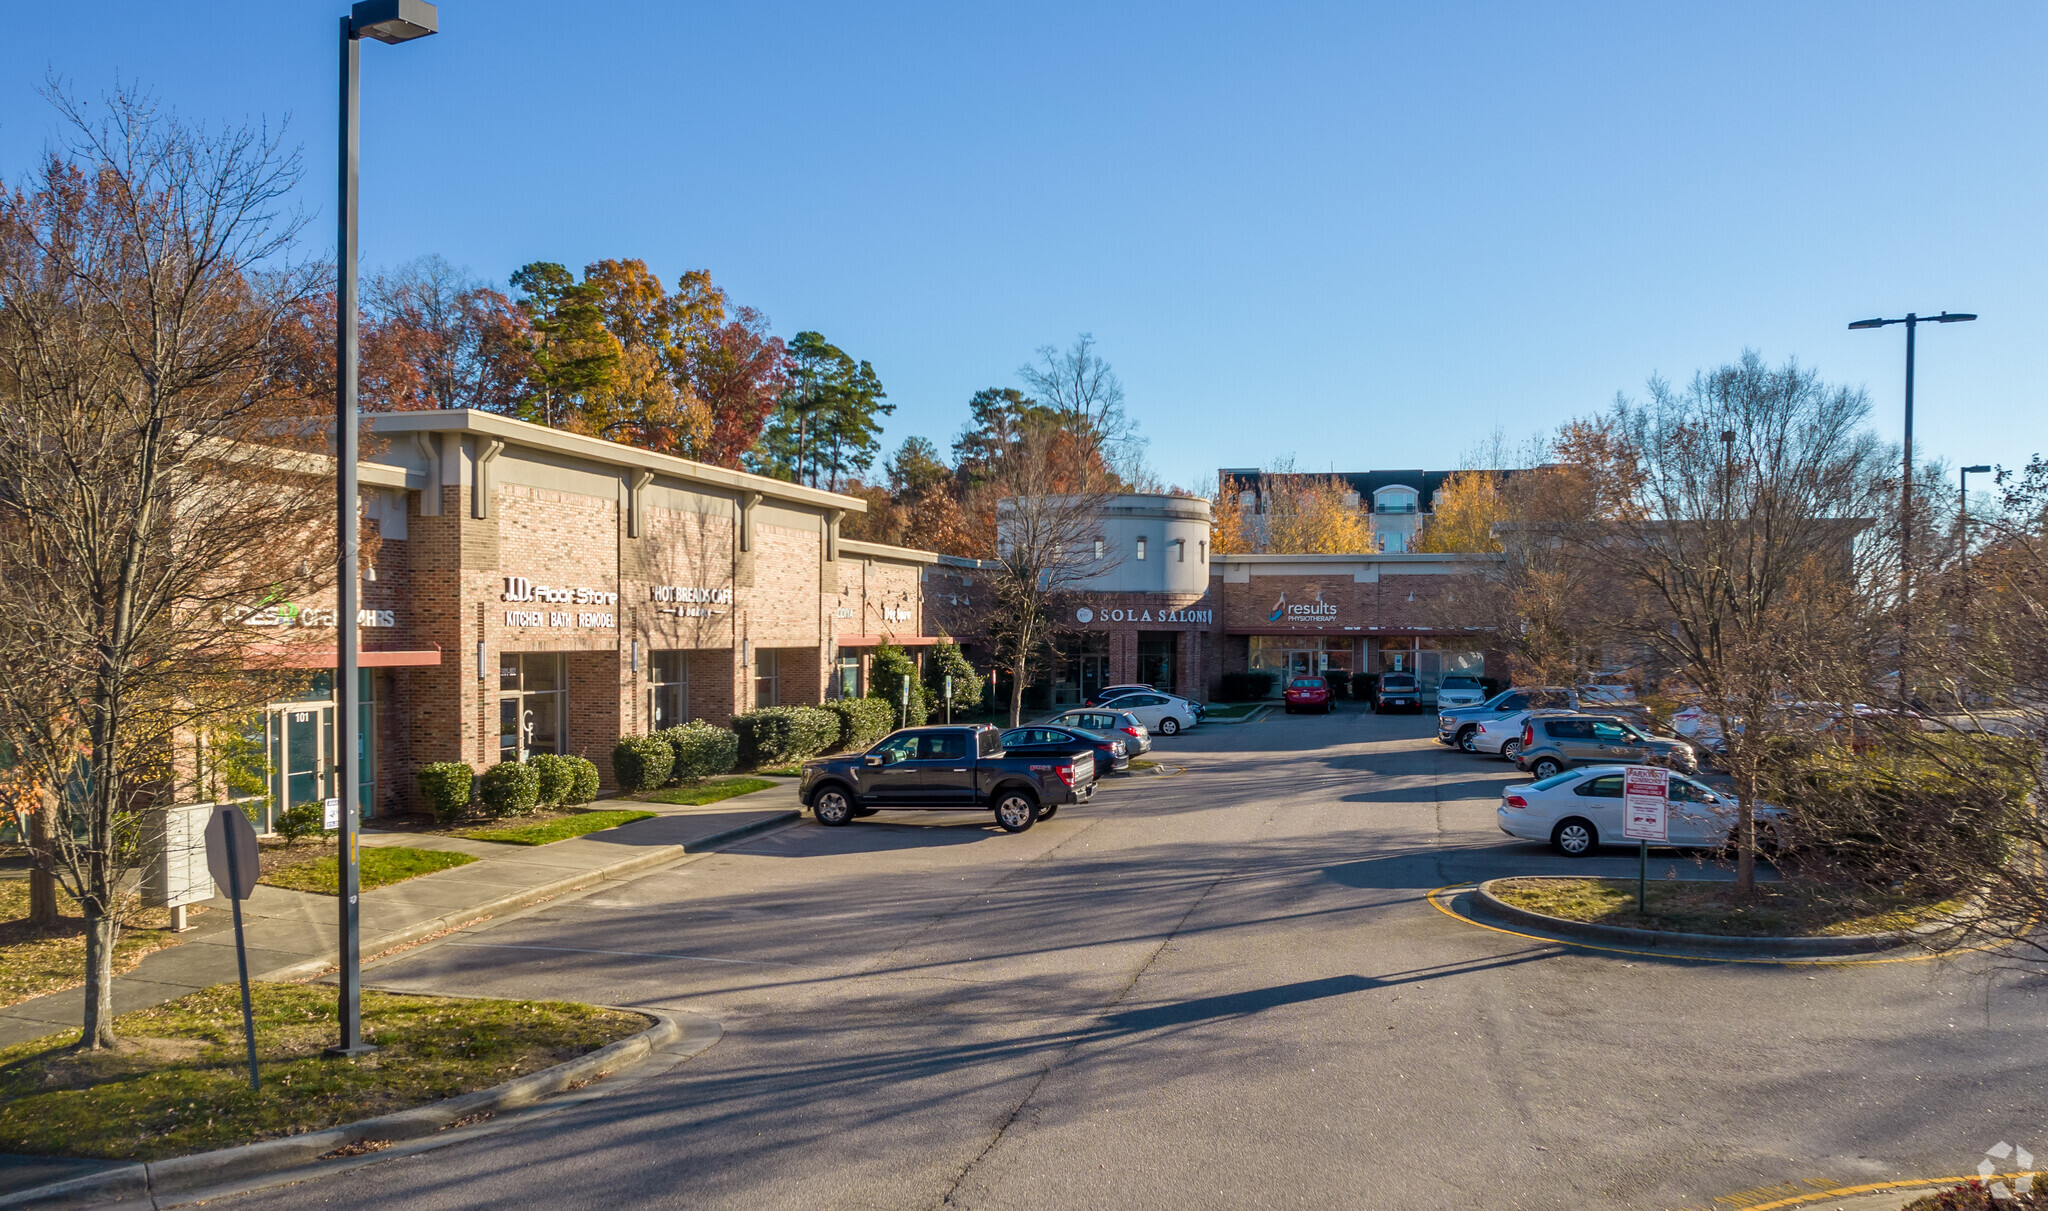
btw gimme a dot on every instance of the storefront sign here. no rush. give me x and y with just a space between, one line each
519 588
1317 611
560 618
1084 614
682 594
895 614
284 614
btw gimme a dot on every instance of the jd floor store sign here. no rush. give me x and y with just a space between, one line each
520 589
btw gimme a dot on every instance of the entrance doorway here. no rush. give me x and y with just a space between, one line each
301 754
531 688
1291 656
1156 660
1083 669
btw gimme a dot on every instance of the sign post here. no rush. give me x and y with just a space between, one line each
903 707
949 698
1646 798
232 860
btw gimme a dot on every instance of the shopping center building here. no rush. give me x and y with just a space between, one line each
528 590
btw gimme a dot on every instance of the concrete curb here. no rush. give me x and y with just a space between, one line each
1847 944
227 1167
525 897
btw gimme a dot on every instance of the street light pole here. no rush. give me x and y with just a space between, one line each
389 21
1963 514
1912 321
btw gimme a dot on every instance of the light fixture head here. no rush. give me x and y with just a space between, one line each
1954 318
1867 324
394 21
1979 469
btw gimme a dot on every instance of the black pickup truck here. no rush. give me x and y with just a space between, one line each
946 769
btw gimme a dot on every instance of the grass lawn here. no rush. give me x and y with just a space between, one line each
1694 906
787 771
709 791
38 961
1235 710
180 1082
559 829
1138 763
379 866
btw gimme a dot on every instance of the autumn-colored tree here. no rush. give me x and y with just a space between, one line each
741 374
1291 514
995 418
155 450
1467 509
462 342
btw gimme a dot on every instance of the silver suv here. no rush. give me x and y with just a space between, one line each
1552 744
1458 725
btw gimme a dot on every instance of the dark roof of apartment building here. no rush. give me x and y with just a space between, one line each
1365 483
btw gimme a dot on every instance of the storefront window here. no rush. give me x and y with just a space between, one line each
1288 656
668 695
1156 660
846 675
1081 670
531 690
767 677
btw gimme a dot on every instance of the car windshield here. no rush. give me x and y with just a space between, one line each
1555 780
1397 681
1459 683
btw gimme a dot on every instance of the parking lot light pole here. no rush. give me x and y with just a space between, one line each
388 21
1963 513
1912 321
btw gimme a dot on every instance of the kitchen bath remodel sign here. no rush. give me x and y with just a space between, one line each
520 589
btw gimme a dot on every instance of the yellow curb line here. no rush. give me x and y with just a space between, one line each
1822 961
1872 1188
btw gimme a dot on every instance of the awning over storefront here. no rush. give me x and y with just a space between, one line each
875 641
292 656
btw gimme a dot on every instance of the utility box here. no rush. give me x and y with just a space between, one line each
175 874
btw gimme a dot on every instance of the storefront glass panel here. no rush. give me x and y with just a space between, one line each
1082 669
846 675
668 697
1156 660
767 677
530 704
1290 656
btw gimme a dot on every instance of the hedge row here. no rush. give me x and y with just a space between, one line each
777 735
509 788
862 721
701 750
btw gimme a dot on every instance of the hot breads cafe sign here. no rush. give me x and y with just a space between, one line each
689 601
520 589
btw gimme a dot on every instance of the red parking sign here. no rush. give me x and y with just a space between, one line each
1645 796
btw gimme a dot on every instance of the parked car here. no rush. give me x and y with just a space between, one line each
1605 693
1114 696
1116 691
1552 744
1503 737
1579 810
946 769
1137 737
1398 692
1167 714
1458 691
1458 726
1309 694
1111 753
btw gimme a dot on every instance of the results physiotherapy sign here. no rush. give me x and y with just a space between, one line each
1303 611
520 589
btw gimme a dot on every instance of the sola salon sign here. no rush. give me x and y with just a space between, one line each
1086 615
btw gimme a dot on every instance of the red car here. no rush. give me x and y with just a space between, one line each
1309 694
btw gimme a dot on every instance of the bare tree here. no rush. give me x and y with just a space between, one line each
153 475
1050 489
1726 521
1086 398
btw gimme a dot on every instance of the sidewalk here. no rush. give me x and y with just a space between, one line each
292 934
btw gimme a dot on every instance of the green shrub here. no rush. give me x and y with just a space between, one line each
583 781
446 786
701 750
946 659
509 788
555 775
889 670
1246 687
777 735
308 819
862 721
1340 682
641 763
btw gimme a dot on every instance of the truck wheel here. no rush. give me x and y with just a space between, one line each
832 808
1016 811
1046 813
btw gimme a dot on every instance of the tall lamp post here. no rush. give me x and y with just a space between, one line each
1963 513
389 21
1912 322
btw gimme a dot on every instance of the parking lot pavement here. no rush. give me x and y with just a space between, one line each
1226 988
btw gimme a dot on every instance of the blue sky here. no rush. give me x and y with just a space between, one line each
1360 235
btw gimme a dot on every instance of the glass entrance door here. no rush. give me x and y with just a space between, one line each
301 744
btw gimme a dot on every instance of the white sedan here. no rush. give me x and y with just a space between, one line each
1579 810
1163 713
1503 736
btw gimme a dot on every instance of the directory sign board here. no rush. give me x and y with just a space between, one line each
1645 803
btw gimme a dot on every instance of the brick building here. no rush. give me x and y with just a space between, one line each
529 590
